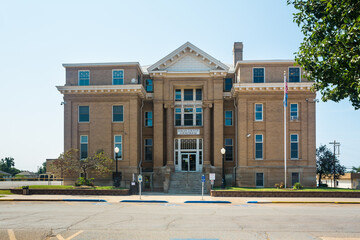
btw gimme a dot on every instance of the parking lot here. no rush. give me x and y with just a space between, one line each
115 220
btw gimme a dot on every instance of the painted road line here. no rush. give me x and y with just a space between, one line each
84 200
69 238
194 239
11 234
315 202
207 202
144 201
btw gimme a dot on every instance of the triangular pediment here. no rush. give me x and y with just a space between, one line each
188 58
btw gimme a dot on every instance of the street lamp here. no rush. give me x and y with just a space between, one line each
116 178
223 183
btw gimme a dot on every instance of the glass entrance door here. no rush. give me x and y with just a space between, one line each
188 162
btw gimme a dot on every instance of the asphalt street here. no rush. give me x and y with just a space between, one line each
175 221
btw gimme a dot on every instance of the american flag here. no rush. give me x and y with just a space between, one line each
285 91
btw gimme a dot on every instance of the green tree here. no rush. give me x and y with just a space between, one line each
355 169
42 168
69 164
330 51
325 163
8 165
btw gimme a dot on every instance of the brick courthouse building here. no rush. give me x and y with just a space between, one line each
171 119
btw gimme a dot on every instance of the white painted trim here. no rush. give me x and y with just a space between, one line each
112 115
298 146
254 75
276 86
262 112
297 112
122 147
289 73
112 75
262 141
79 113
79 77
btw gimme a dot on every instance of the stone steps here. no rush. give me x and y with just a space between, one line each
185 182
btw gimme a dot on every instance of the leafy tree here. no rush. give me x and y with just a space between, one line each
42 169
330 51
69 164
8 165
325 163
355 169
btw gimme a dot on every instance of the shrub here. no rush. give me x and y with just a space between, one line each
277 186
281 185
81 181
297 186
25 187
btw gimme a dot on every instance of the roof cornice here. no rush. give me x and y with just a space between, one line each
276 61
108 64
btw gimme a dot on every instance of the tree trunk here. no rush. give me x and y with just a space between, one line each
320 175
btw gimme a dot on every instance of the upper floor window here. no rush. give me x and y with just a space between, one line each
258 112
188 116
188 94
83 146
148 119
118 113
228 83
258 75
149 85
294 146
259 146
84 78
118 77
294 115
118 144
229 149
294 74
84 114
228 118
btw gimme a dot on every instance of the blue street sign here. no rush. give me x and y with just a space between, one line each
202 178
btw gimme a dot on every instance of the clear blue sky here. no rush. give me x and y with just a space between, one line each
38 36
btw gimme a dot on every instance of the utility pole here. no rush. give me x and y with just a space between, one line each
336 144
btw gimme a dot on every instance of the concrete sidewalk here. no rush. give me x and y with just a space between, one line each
176 199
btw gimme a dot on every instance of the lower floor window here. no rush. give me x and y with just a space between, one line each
295 178
118 144
229 149
148 149
259 179
83 147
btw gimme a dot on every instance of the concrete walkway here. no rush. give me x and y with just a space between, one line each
175 199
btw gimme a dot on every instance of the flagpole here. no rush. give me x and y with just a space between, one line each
285 105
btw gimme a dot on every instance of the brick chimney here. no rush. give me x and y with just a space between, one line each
238 52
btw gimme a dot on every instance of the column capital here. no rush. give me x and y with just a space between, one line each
207 104
168 106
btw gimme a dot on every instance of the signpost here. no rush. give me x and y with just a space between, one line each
212 179
140 181
202 186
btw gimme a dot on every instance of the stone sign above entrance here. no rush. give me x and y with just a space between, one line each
188 132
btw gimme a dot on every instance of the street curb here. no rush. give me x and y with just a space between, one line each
207 202
144 201
328 202
53 200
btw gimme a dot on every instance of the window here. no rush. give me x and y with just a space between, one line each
198 94
84 78
83 147
259 179
118 113
259 146
258 75
177 116
118 143
178 95
198 117
295 178
229 149
149 85
294 146
228 118
188 94
84 114
148 149
148 119
258 112
228 84
188 116
118 77
294 74
294 111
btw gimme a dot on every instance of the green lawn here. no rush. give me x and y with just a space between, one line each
70 187
288 189
5 192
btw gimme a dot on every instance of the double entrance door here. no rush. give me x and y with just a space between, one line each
188 162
